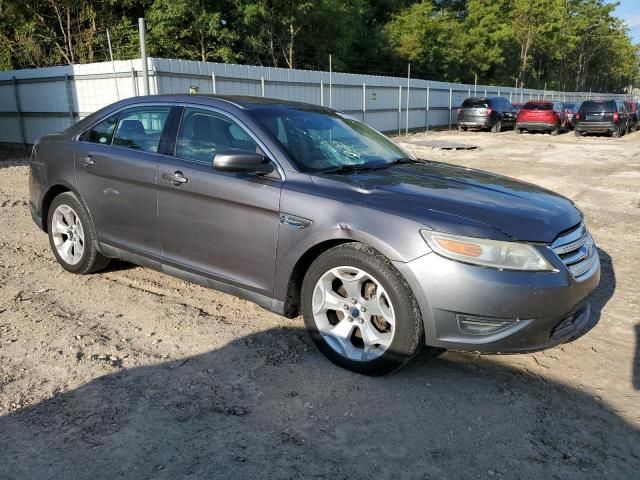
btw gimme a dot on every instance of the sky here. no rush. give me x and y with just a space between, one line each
629 11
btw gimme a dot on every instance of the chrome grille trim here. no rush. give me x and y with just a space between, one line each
578 252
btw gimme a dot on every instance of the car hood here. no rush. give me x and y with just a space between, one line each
427 190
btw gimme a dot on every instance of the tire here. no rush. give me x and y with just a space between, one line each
616 133
517 129
68 223
577 133
339 333
497 127
462 128
556 130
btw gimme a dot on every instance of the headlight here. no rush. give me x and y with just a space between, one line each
488 253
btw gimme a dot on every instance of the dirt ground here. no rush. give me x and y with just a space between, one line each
133 374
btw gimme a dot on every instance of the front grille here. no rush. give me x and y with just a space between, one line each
578 252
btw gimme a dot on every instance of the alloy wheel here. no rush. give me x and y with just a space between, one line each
68 234
353 313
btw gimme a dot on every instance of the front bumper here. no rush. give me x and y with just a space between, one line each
544 308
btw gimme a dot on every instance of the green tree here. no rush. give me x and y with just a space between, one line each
190 29
429 39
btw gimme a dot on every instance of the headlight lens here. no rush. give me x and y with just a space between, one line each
488 253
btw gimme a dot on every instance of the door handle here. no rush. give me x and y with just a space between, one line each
87 161
175 178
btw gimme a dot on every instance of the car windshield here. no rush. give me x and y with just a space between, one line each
322 140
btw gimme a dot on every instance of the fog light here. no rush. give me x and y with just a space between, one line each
481 325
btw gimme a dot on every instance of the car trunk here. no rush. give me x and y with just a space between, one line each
474 110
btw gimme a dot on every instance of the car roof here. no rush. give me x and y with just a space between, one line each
239 102
244 102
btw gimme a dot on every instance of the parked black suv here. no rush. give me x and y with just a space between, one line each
493 113
602 116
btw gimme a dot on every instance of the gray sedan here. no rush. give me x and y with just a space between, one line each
305 210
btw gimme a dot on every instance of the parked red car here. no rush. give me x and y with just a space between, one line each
633 107
542 116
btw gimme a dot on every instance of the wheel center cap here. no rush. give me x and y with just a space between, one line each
355 313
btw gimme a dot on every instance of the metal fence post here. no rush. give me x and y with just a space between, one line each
321 93
213 83
427 113
406 131
262 85
134 80
399 108
67 85
143 55
19 112
330 82
364 101
450 100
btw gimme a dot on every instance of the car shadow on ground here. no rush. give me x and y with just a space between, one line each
268 406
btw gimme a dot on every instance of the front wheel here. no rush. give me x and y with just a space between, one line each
360 311
517 129
72 237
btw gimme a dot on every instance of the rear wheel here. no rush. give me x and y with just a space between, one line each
556 129
517 129
462 128
360 311
616 133
497 127
72 237
577 133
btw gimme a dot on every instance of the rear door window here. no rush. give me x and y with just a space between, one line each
140 128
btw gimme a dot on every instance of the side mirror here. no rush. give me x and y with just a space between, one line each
242 162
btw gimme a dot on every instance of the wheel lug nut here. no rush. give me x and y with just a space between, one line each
354 301
350 319
361 321
345 306
363 309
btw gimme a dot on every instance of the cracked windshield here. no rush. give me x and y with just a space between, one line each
320 141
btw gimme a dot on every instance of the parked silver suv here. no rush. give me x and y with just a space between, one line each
302 209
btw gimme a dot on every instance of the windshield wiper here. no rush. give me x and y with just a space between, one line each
348 168
398 161
368 166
